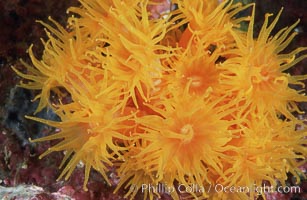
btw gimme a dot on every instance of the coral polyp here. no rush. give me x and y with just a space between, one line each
183 98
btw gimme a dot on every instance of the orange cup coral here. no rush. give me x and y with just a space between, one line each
182 99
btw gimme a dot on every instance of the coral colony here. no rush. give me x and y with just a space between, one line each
177 102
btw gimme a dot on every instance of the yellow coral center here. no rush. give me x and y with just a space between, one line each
188 131
196 81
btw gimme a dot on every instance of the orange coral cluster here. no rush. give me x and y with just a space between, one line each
185 97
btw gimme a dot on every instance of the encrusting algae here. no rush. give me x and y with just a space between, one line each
184 98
